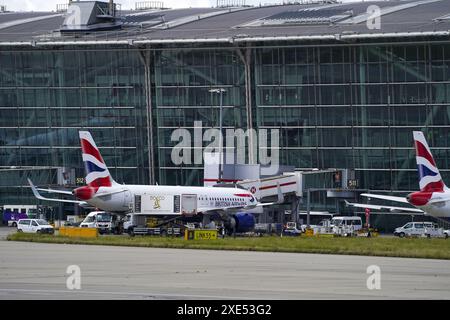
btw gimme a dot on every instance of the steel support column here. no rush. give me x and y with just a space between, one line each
145 57
245 55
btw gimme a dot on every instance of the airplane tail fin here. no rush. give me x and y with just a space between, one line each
430 179
97 173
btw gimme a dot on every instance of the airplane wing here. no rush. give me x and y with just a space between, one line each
438 201
48 190
38 196
55 191
229 210
104 194
380 207
383 197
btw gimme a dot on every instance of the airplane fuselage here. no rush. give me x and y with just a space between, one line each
435 204
103 193
121 198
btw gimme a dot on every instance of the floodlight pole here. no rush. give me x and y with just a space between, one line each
220 92
308 208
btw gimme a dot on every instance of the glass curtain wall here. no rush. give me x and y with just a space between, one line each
356 107
336 107
47 96
183 81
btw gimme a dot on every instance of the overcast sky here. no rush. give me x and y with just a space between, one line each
50 5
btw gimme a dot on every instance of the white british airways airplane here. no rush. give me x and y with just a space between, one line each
104 193
433 197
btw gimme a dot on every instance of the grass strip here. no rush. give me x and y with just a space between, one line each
380 246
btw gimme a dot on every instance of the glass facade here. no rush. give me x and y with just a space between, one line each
183 79
356 107
47 96
336 106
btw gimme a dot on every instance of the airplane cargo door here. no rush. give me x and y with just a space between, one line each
189 204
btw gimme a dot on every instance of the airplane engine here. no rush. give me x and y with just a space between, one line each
419 198
240 222
84 193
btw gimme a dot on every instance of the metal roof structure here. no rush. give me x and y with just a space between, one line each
319 15
340 21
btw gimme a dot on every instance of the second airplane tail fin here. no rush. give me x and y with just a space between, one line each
430 179
97 173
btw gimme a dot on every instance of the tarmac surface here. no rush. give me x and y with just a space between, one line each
39 271
5 231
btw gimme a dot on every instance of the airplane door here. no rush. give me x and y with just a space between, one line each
189 204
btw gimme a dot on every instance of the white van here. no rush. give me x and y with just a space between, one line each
105 222
34 226
419 229
346 225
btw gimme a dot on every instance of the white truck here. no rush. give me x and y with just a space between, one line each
421 229
158 214
105 222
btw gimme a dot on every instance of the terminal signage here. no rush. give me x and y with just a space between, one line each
201 235
352 184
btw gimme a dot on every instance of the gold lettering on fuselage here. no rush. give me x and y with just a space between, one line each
157 201
157 204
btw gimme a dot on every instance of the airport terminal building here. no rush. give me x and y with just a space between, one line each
344 88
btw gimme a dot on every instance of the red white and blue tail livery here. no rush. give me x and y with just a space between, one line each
433 197
430 179
97 174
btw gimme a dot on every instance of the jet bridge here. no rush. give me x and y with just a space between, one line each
290 184
250 177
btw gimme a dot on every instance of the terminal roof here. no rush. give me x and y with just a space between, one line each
338 21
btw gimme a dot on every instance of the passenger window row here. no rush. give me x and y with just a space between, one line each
219 199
